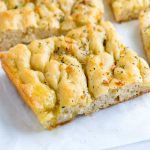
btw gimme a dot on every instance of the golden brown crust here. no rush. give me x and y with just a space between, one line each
2 55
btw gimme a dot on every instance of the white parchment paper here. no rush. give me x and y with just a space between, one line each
122 124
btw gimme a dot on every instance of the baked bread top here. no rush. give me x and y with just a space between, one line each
57 14
125 10
75 69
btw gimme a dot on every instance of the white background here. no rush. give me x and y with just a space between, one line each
122 124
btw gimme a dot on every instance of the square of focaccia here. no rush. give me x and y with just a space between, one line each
125 10
87 70
145 31
25 20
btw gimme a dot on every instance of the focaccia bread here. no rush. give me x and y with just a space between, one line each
38 19
125 10
77 74
145 31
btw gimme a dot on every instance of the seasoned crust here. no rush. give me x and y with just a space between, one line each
125 10
41 19
145 31
63 77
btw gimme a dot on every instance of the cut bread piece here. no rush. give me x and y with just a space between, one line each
77 74
145 31
125 10
42 19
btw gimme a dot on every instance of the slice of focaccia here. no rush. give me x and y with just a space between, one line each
125 10
77 74
38 19
145 31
